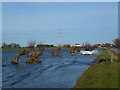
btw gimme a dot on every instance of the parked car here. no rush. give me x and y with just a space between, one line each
87 51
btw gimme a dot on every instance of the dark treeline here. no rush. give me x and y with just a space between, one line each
116 44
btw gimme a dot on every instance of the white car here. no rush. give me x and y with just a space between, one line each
87 51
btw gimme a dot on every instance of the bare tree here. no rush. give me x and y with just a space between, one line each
31 43
86 44
117 42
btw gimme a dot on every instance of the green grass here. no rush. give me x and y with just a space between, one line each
104 75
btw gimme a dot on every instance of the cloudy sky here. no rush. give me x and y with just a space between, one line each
79 22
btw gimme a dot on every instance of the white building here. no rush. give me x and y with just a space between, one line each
77 45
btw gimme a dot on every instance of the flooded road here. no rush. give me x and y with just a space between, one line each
53 72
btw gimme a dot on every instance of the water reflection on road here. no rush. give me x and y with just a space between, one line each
53 72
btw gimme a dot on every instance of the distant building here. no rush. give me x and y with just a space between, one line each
12 45
97 45
67 46
107 45
77 45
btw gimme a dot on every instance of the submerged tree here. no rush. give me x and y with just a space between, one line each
33 57
31 43
53 52
59 50
18 55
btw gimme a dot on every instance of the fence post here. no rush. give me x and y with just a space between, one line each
111 57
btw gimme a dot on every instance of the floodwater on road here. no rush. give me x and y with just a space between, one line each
53 72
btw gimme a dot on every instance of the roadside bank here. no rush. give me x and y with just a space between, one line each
104 75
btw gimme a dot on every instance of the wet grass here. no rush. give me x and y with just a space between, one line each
104 75
104 55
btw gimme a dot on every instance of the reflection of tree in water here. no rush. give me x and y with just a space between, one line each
74 49
57 52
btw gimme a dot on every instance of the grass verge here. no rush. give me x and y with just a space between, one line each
104 75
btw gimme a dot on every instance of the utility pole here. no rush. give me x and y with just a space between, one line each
59 37
59 48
